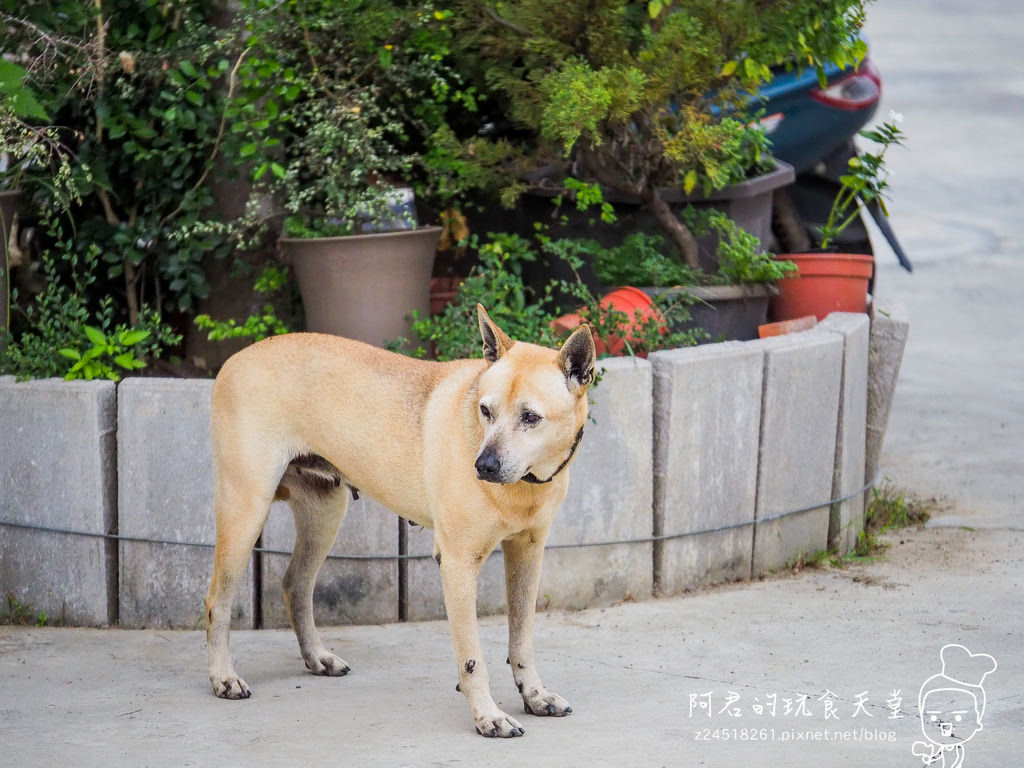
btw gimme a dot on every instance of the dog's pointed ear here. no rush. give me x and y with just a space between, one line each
576 359
496 342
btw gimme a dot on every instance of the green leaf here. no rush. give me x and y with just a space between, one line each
125 360
95 336
690 181
71 354
654 8
188 68
130 338
729 68
22 99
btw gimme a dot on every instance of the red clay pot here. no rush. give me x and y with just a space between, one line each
630 301
442 292
825 283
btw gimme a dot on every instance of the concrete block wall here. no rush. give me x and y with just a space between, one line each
890 326
57 469
693 463
799 414
349 589
165 492
610 498
708 401
846 519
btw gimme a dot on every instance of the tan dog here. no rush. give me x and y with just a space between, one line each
475 449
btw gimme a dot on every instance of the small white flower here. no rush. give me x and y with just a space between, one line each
896 117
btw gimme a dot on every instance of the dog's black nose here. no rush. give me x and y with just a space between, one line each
488 465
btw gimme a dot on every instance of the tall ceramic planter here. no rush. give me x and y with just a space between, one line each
8 207
364 287
824 283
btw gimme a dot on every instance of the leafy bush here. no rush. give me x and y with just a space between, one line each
524 313
739 255
256 327
640 260
63 336
643 259
640 96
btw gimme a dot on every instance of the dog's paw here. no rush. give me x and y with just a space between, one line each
498 726
544 704
326 663
232 687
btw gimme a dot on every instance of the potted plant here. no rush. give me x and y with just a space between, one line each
727 304
363 265
642 107
627 323
826 281
348 86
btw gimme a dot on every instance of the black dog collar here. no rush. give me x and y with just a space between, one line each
529 477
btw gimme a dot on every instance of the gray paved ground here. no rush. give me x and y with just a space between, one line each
636 673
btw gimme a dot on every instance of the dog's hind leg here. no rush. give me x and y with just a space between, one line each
241 514
318 514
523 555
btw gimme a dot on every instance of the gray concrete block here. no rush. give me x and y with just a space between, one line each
165 492
424 595
890 325
610 498
799 416
847 518
57 470
707 418
351 588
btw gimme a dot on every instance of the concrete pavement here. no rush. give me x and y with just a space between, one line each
637 675
850 648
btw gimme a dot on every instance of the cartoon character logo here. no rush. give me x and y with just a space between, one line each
952 704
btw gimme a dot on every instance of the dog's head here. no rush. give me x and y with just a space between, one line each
531 402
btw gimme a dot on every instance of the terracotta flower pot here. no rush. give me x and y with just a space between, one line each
443 291
638 308
824 283
364 287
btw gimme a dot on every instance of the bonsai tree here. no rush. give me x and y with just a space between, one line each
638 96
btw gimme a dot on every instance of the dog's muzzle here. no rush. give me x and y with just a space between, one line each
488 466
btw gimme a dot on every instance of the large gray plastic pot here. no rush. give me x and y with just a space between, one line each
364 287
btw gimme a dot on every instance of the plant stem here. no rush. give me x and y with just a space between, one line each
232 82
680 234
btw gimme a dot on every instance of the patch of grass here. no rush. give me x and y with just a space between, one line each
812 560
22 613
887 510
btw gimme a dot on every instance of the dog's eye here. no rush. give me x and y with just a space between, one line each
485 411
529 417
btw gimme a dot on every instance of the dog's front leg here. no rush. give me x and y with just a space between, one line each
459 579
523 555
